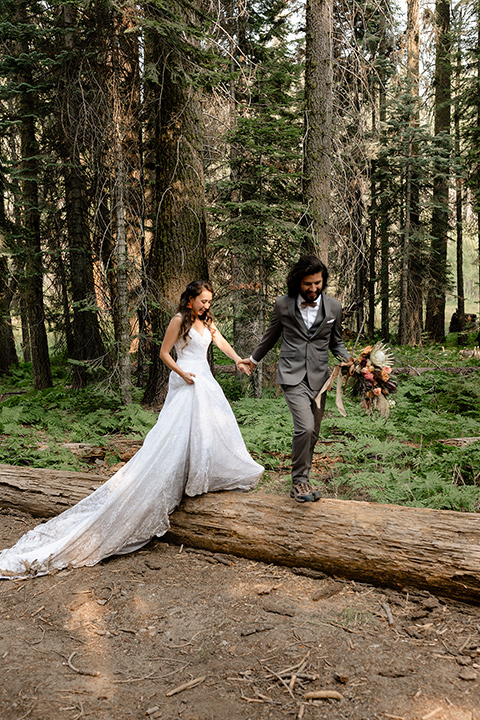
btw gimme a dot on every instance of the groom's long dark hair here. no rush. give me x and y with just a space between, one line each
192 291
306 265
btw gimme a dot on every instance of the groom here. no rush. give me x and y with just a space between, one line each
309 323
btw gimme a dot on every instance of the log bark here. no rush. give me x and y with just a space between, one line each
385 545
42 492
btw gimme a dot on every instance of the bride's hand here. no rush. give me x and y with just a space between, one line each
189 378
244 367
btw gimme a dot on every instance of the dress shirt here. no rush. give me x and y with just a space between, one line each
309 313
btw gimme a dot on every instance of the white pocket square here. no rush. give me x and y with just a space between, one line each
330 321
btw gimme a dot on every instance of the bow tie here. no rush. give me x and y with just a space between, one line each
305 304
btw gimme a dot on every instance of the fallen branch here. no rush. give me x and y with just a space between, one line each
186 686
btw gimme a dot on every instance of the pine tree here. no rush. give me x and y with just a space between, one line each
23 86
435 316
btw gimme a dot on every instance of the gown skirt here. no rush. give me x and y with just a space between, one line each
195 447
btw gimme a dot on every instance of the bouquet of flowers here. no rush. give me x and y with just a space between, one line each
371 374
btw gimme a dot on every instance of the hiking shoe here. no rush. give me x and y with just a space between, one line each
303 492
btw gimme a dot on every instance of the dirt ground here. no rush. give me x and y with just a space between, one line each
172 633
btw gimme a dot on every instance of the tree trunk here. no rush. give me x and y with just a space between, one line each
435 318
412 304
372 252
386 545
121 251
32 285
88 344
383 205
18 260
459 183
318 122
411 310
478 161
178 249
8 353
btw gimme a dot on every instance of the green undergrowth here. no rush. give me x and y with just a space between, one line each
35 425
399 460
404 459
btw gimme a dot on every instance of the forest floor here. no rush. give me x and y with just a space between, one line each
174 633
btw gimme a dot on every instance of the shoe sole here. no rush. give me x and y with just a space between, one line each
305 498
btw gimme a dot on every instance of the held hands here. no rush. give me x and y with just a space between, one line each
246 366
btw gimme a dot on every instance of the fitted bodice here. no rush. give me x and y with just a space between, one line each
195 349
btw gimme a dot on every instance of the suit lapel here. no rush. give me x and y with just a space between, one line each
296 315
321 316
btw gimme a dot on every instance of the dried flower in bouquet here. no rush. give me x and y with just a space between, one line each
371 374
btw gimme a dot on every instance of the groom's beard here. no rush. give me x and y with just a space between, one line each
311 296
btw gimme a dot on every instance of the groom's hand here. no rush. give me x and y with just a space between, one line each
246 366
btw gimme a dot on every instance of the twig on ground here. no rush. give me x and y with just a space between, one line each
186 686
464 645
26 714
432 361
298 666
80 672
37 642
301 711
323 695
252 700
104 601
151 676
329 622
190 642
388 613
135 679
432 713
282 681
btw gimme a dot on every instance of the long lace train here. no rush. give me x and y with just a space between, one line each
195 447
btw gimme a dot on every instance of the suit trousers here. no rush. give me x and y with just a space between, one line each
307 417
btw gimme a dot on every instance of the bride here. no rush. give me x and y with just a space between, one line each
195 447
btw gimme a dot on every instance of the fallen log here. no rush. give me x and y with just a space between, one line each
42 492
386 545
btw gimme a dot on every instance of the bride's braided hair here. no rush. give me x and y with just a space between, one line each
192 290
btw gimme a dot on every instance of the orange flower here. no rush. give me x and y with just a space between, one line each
377 391
366 351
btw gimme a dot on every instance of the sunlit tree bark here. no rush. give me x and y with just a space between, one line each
318 123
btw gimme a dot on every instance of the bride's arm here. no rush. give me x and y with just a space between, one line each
226 348
171 336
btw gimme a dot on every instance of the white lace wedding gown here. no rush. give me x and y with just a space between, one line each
195 447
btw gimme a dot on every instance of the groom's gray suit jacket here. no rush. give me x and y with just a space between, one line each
303 352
